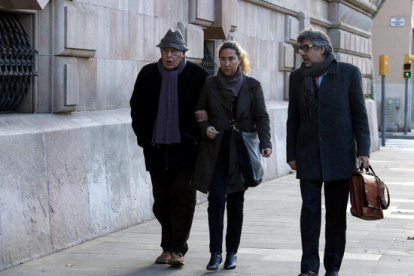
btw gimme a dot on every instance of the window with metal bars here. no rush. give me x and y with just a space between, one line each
17 62
208 61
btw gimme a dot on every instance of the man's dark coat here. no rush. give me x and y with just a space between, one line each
144 111
251 116
325 144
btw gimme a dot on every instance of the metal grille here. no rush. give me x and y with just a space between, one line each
17 62
208 63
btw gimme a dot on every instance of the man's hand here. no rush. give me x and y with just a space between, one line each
266 152
211 132
201 115
364 161
292 164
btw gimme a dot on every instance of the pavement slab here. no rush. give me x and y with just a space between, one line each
270 244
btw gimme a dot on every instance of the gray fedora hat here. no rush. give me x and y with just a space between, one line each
173 39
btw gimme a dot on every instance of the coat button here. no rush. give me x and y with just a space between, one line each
320 138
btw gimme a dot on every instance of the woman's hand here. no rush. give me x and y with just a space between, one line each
211 132
266 152
201 115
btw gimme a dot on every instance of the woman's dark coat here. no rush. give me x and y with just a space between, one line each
323 143
251 115
144 111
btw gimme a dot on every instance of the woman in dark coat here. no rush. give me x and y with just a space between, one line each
217 169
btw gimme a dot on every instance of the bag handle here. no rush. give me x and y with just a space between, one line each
388 195
374 174
368 170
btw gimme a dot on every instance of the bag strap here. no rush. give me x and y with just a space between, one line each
372 170
388 195
368 170
229 113
374 174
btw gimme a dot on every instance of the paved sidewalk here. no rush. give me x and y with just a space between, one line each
270 241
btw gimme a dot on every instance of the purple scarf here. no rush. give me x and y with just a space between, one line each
166 128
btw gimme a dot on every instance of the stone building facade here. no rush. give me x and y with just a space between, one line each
70 167
393 37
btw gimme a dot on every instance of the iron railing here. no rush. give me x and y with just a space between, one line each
208 63
17 62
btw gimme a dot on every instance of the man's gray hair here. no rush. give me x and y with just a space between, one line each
318 38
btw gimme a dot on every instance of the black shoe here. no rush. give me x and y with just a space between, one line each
309 273
214 262
333 273
231 261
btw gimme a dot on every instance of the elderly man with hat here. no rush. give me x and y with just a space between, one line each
162 110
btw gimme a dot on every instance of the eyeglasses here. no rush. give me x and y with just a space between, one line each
173 51
306 48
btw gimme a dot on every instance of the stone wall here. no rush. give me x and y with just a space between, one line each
74 171
66 179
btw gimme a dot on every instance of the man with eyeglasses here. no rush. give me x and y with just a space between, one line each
327 132
162 110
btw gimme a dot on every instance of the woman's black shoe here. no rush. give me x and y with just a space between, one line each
214 262
231 260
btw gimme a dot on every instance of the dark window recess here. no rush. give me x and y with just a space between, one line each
208 63
17 62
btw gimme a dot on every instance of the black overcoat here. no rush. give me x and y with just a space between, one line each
251 115
326 143
144 111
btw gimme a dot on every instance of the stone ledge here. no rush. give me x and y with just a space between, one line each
351 29
51 161
321 22
275 6
353 53
366 7
24 4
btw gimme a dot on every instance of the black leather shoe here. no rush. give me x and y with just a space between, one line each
333 273
309 273
231 261
214 262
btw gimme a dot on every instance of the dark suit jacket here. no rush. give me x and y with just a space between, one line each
326 143
251 116
144 111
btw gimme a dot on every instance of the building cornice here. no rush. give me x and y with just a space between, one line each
319 21
275 6
364 7
351 29
24 4
359 5
18 10
323 22
352 53
367 7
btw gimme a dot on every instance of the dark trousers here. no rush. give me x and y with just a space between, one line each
174 204
336 200
216 204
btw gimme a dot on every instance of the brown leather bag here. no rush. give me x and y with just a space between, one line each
367 194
